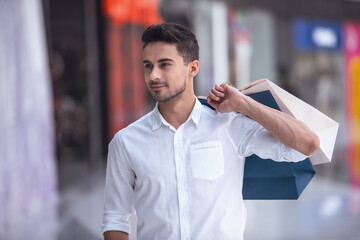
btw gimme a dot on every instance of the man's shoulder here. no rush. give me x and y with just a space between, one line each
140 125
214 114
228 119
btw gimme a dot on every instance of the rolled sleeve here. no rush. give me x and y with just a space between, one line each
119 188
116 222
259 141
291 155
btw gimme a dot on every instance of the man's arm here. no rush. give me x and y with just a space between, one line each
116 235
118 193
288 130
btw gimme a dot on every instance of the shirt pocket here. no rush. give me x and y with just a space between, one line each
207 161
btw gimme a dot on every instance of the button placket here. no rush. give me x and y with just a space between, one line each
182 184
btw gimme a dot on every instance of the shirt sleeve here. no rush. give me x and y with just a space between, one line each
255 139
119 187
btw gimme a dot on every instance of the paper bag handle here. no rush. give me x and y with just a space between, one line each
253 84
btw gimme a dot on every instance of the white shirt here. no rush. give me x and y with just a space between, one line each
185 183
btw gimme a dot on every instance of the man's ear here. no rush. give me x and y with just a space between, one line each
194 67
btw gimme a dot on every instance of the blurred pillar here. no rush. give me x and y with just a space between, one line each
93 83
262 27
241 40
352 61
220 42
204 80
28 194
211 29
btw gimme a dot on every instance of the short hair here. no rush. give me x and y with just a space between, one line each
185 40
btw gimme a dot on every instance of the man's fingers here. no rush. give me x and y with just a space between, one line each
213 103
217 93
213 96
219 88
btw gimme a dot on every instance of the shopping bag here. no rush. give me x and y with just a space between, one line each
325 127
268 179
265 179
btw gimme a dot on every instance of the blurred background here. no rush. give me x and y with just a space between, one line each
71 76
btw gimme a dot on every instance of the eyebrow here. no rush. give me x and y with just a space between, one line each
160 60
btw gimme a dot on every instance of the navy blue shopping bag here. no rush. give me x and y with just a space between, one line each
267 179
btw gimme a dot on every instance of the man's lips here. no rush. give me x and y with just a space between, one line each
157 86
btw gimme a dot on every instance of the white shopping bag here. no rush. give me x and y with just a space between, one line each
325 127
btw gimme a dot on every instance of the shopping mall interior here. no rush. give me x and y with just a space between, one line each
71 76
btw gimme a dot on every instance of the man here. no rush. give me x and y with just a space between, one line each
180 167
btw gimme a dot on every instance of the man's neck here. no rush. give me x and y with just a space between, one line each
177 112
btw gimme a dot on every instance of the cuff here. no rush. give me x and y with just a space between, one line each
116 222
292 155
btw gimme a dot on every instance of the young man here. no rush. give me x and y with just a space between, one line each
180 167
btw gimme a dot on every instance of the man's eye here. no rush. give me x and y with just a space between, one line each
147 66
164 64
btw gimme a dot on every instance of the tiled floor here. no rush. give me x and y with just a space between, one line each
326 210
81 209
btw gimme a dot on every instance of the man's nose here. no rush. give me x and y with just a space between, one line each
155 74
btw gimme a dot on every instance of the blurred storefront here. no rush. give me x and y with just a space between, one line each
127 96
73 46
317 76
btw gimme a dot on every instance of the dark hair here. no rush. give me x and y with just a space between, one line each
184 38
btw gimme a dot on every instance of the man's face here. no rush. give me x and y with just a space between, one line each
165 73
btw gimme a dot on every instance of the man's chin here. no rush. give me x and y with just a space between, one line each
167 98
163 98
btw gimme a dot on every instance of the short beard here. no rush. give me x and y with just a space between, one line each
171 96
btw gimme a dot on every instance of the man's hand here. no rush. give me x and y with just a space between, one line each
116 235
226 99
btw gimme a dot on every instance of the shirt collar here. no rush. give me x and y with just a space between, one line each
158 119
